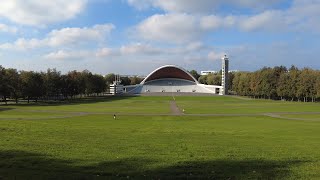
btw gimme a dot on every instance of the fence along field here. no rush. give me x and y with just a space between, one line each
215 137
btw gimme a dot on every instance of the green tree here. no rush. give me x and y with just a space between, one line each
214 79
235 82
52 83
243 84
94 83
73 83
9 84
255 84
306 84
268 82
283 87
4 89
110 78
230 79
125 80
203 79
195 74
135 80
317 85
32 85
13 83
292 82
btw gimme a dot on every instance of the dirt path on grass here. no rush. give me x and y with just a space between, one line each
278 115
175 109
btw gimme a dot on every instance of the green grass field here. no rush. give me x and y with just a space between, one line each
217 137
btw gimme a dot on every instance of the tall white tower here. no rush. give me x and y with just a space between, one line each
224 80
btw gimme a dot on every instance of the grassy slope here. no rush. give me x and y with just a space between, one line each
230 105
97 146
303 116
107 105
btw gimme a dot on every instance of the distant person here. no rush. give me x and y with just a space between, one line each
114 116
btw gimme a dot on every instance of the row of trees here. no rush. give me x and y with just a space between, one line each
212 78
279 83
52 85
272 83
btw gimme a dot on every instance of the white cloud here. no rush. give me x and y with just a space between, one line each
140 4
63 37
136 49
213 55
139 48
195 46
40 13
268 20
180 28
67 55
200 6
105 52
242 57
67 36
177 28
214 22
302 16
23 44
8 29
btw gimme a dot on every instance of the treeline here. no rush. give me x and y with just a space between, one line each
211 78
52 85
279 83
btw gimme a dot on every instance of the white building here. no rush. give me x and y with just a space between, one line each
204 73
116 87
174 79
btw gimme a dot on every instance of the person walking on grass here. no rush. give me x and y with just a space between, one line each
114 116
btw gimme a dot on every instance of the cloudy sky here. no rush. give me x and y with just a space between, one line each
137 36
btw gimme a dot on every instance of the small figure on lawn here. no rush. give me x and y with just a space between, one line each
114 116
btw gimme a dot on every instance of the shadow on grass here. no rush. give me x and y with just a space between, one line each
24 165
5 109
85 100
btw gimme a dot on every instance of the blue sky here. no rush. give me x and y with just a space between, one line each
137 36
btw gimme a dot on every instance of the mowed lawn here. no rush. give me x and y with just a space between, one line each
102 105
95 146
233 105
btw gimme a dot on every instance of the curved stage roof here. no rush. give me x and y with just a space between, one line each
171 78
169 72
